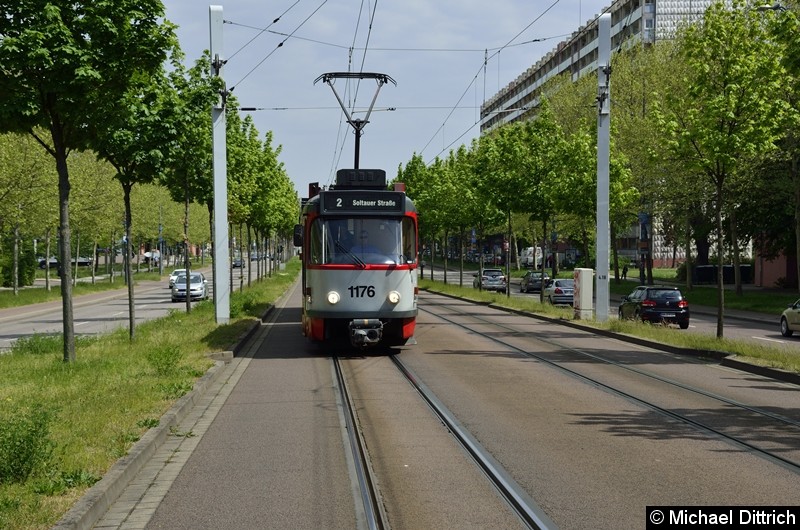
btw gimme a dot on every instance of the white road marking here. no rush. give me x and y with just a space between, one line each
770 340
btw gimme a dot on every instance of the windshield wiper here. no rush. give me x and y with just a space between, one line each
349 254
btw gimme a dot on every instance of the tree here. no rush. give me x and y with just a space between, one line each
135 137
189 177
785 26
25 186
61 61
735 83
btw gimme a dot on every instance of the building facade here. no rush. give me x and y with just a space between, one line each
633 22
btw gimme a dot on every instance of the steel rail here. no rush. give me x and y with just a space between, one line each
775 458
699 391
370 498
524 507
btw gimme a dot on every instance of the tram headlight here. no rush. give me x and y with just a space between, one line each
333 297
394 297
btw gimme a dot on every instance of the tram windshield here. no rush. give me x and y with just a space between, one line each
363 240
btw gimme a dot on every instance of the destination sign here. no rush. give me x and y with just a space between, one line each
362 201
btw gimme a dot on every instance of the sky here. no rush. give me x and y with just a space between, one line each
446 56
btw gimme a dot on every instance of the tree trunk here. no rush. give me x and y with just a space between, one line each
15 264
77 253
64 249
796 180
544 255
231 255
186 260
126 194
113 255
720 289
688 253
614 252
47 260
93 264
249 261
461 256
241 258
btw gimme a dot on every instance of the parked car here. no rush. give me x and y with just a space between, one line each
491 280
174 276
656 304
559 291
790 319
532 281
198 287
53 263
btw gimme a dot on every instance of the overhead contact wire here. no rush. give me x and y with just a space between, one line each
262 31
280 44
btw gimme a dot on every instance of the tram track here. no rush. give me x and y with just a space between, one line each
527 511
374 515
523 506
757 418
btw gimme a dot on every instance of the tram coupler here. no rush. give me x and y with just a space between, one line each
365 332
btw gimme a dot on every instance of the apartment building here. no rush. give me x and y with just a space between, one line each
633 22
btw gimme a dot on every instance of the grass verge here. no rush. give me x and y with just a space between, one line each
773 357
62 426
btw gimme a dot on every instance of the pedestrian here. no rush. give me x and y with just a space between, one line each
625 272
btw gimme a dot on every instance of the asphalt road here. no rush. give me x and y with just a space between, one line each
104 312
267 451
753 327
98 313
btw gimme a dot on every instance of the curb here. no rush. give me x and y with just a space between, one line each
98 499
724 358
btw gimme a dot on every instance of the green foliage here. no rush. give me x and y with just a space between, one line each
27 263
41 344
37 344
64 481
148 423
165 359
25 445
175 390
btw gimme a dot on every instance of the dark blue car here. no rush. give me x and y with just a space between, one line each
656 304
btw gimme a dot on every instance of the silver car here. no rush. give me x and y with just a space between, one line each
560 291
492 280
174 276
198 287
790 319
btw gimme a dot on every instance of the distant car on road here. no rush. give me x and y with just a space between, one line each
656 304
53 263
238 263
790 319
198 287
174 276
559 291
491 280
532 281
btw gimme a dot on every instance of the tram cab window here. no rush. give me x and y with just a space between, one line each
362 240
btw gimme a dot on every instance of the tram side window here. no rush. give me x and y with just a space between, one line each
319 245
409 241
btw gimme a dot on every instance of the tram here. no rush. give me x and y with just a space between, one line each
359 261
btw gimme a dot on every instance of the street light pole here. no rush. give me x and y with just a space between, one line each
603 156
